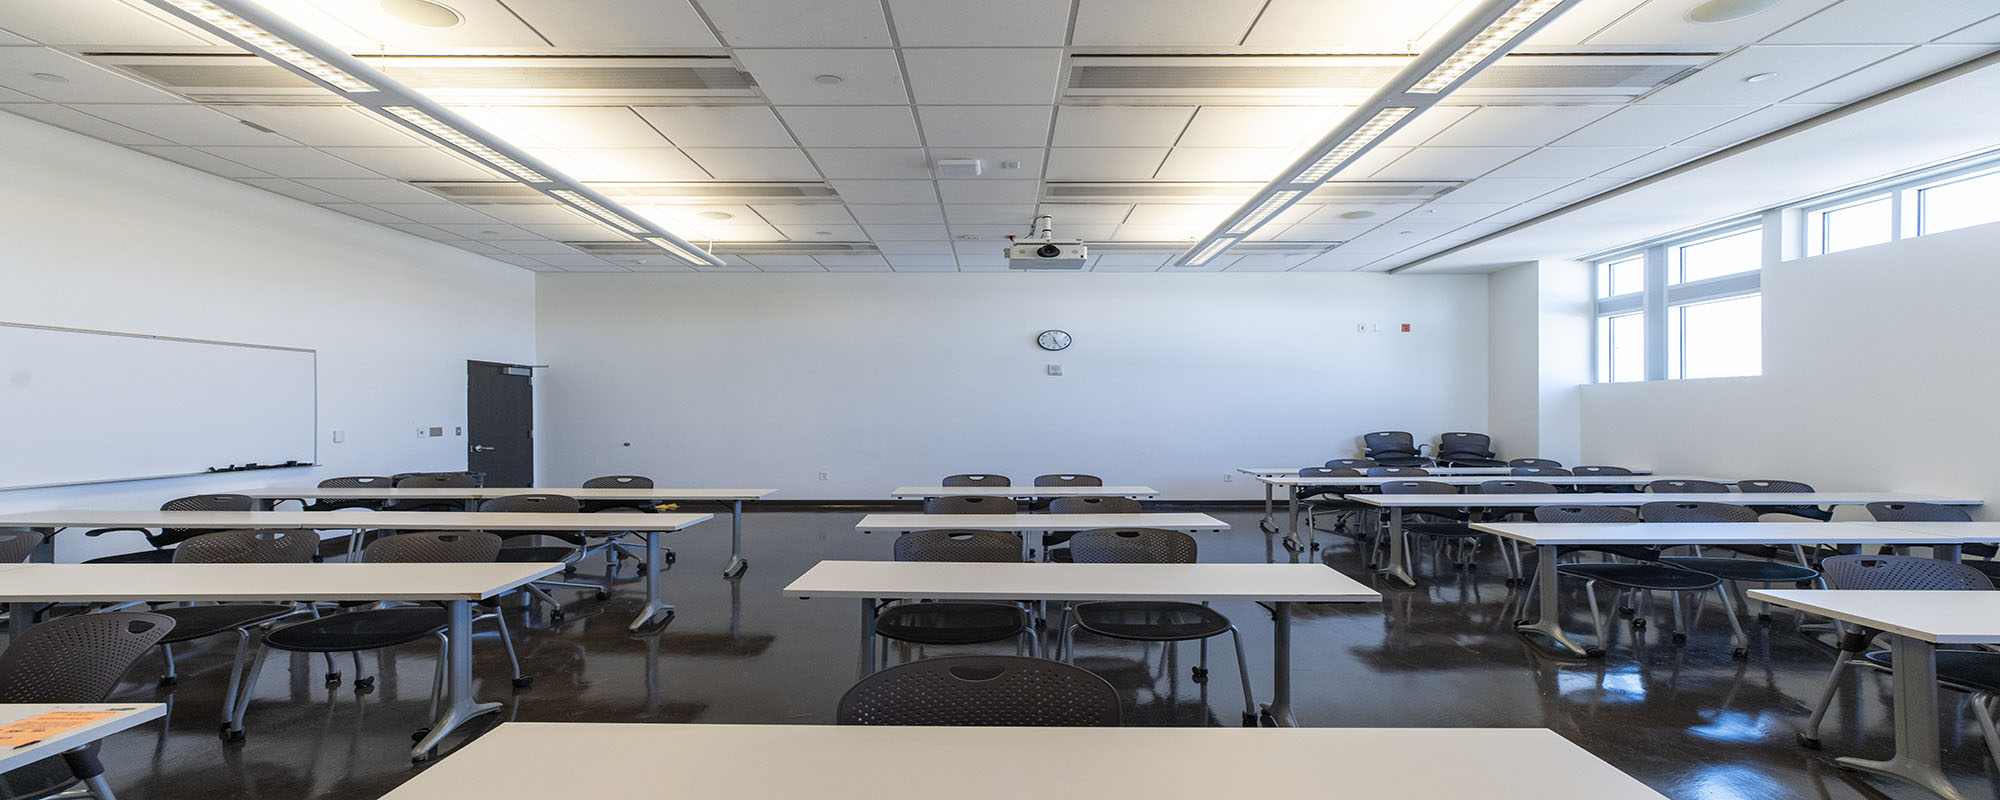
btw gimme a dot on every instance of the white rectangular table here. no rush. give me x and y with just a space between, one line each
455 585
1920 621
1042 523
1281 585
126 717
269 497
1547 537
1023 492
656 613
825 762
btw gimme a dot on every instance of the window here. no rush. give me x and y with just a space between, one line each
1728 254
1621 348
1860 224
1958 198
1684 308
1716 338
1959 203
1615 278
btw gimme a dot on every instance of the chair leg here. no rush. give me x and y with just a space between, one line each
1243 673
235 677
437 673
1984 714
1596 618
1678 631
1069 644
99 788
1735 625
168 678
362 680
249 688
507 641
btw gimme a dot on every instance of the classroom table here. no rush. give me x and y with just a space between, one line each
455 585
832 762
1398 503
1270 522
1023 492
656 612
1920 622
1281 585
124 716
268 497
1546 537
1045 523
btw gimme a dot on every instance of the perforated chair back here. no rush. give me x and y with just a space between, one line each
1667 511
16 544
535 503
1533 471
1460 444
1917 512
436 480
1329 472
1687 487
1901 573
645 505
1585 514
1534 462
1516 487
619 482
1760 486
1132 546
78 658
249 547
357 482
1389 444
1068 480
981 690
1390 472
433 547
199 502
971 504
1601 471
959 546
1353 463
976 479
1418 487
1094 505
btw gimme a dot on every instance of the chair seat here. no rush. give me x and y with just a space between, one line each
1990 568
1636 552
1967 670
201 622
1151 621
1441 529
1809 512
339 504
141 557
621 506
1642 576
523 555
951 623
360 630
1745 569
1401 461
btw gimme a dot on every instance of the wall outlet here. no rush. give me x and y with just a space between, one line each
824 476
437 430
1229 477
339 436
1055 369
460 431
1361 327
423 432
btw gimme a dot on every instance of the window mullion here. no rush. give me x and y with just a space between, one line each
1656 313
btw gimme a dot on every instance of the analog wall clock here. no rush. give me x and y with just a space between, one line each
1053 340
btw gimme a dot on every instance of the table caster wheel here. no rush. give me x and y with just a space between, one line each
603 595
1593 652
1740 654
639 570
168 680
1265 720
1249 720
419 734
1200 675
524 681
1808 742
556 613
232 736
1639 622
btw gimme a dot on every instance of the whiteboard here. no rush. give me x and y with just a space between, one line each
82 406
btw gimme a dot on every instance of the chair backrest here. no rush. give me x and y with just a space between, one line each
1901 572
16 544
1534 462
1763 486
1461 443
543 503
1329 472
1601 471
1669 511
1389 443
970 504
78 658
1917 512
1606 514
1384 472
619 482
357 482
436 480
1533 471
1418 487
981 690
1516 487
976 479
433 547
1132 546
1068 480
209 502
1352 463
957 545
1687 487
1094 505
249 547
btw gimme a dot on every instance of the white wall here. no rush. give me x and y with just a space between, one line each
97 236
889 379
1539 352
1880 372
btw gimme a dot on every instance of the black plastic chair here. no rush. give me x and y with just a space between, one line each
619 482
74 659
168 537
1602 515
976 479
568 554
192 622
981 691
1541 463
1763 570
1330 499
1052 542
1393 449
616 543
1398 472
1462 449
1351 463
1687 487
432 480
449 547
1068 480
1443 523
1162 621
1597 470
956 623
1650 576
17 544
350 482
970 504
1933 512
1530 472
1766 487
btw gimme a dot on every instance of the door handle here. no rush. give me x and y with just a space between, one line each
480 448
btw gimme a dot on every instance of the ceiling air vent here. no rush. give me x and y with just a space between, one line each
638 193
511 80
1291 79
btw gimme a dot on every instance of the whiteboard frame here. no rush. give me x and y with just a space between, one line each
314 462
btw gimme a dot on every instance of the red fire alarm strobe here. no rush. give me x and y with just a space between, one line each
1406 327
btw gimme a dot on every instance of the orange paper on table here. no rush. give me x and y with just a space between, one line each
44 725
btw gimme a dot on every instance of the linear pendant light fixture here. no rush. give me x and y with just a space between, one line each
1480 39
259 31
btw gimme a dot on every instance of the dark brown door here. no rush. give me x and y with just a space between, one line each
500 422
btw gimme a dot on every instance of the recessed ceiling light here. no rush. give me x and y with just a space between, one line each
1357 215
48 76
1719 11
423 13
1760 77
716 215
828 79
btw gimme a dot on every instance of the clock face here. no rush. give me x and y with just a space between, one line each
1053 340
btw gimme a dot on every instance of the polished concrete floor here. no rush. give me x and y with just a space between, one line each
1687 720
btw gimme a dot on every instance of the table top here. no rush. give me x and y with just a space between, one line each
1947 617
1568 533
1475 480
1975 531
1502 471
129 715
443 493
388 520
1277 583
826 762
1037 522
110 583
1635 499
1024 491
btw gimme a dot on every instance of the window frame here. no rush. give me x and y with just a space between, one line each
1659 298
1906 203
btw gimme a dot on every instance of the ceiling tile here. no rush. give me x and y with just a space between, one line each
575 233
995 235
11 96
95 23
1163 23
650 25
1884 22
1756 123
181 124
637 164
1517 126
382 190
1353 213
1987 32
1326 233
907 233
823 233
1581 190
1199 216
1120 126
368 28
359 211
1105 163
980 23
539 249
937 267
802 213
425 212
489 232
789 77
985 126
1519 212
86 83
1666 24
730 232
564 127
989 191
754 164
1223 164
855 126
984 76
1260 126
538 213
414 163
290 189
291 162
783 23
918 261
1350 26
1133 260
578 263
1016 215
1086 213
1651 125
1269 262
73 120
1159 233
1891 72
717 126
898 247
1504 190
1579 22
426 231
197 159
859 191
850 261
781 261
873 162
1426 124
1796 69
1653 162
1454 214
1027 161
898 214
1568 162
328 126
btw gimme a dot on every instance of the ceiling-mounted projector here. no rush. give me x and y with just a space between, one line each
1041 250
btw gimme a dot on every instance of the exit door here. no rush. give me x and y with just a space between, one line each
500 422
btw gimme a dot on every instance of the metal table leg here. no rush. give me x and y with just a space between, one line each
656 613
459 707
867 636
1917 759
1548 621
1279 711
737 563
1292 541
1269 523
1395 570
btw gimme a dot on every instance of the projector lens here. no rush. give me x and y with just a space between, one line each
1048 251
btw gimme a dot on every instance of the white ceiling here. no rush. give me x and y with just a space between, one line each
925 80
